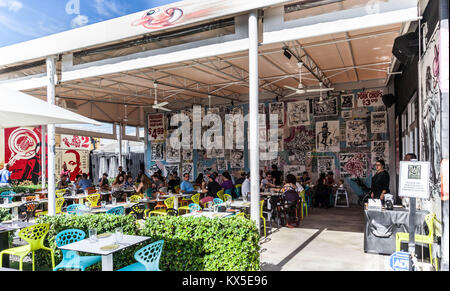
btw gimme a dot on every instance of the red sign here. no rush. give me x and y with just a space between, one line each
370 98
156 128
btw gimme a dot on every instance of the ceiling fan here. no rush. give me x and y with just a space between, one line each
302 90
159 106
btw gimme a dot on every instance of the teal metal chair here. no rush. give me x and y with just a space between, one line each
76 209
194 206
147 257
237 190
7 194
217 201
71 259
228 191
119 210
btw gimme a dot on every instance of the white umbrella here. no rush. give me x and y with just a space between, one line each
20 109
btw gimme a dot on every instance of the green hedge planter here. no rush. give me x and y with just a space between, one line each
5 214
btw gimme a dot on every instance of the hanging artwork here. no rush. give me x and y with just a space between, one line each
157 151
187 155
157 166
380 150
298 113
215 153
370 98
353 165
378 122
328 107
295 170
75 142
327 136
300 142
237 159
169 169
188 168
347 114
77 161
222 164
156 127
278 109
172 155
325 165
360 112
356 133
347 101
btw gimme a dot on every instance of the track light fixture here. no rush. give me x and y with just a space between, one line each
286 53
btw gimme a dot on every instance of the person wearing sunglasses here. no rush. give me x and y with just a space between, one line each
186 186
380 181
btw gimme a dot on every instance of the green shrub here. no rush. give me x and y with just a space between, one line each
5 214
21 189
102 222
203 244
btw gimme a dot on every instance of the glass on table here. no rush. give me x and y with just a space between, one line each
5 200
118 234
37 196
128 200
114 201
24 199
103 204
14 217
93 235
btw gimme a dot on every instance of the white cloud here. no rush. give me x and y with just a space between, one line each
80 20
108 8
12 5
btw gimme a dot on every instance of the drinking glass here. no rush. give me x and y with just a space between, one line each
216 208
119 234
37 196
128 200
85 192
103 203
93 235
5 200
24 199
14 217
114 201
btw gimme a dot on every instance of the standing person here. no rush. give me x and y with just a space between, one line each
380 181
330 179
322 192
5 176
277 175
246 184
210 189
410 157
186 186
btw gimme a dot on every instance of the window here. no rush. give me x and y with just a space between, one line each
410 128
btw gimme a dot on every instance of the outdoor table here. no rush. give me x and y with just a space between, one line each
240 204
110 206
381 227
86 246
208 214
5 228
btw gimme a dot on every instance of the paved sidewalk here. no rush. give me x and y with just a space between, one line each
327 240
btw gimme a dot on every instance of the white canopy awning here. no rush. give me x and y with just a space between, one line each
20 109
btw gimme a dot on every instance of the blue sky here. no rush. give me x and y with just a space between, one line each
22 20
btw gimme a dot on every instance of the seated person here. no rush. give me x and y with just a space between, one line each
199 180
84 182
330 179
103 182
119 181
241 179
210 189
145 186
341 184
277 175
227 184
172 183
291 196
267 183
129 183
175 176
305 179
156 183
186 186
246 185
63 182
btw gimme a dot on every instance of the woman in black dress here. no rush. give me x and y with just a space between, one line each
380 181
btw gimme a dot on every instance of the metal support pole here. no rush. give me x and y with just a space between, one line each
119 135
412 231
43 156
253 116
51 75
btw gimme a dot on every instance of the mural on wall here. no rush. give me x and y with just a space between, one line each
378 122
327 136
77 161
380 150
172 155
372 98
353 165
298 113
23 153
188 168
356 133
157 149
295 170
278 109
328 107
75 141
347 101
431 119
325 164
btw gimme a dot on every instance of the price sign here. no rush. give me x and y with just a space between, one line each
414 181
156 127
370 98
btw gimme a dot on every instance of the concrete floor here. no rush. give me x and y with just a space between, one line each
326 240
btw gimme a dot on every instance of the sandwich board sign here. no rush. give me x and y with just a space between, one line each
414 180
399 261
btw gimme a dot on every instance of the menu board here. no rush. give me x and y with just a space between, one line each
414 179
156 129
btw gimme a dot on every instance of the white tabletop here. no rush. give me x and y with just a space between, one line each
18 203
110 206
208 214
240 204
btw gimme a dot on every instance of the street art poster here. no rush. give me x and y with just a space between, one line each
169 169
278 109
301 141
157 166
353 165
77 161
378 122
157 149
156 127
347 101
347 114
237 159
380 150
325 165
222 164
372 98
356 133
172 155
215 153
325 107
261 108
75 142
187 154
327 136
23 153
189 169
298 113
431 110
295 170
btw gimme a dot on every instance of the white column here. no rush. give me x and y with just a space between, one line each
51 75
119 135
43 156
253 116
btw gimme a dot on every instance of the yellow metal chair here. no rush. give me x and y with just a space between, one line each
220 194
195 199
163 211
419 238
135 198
304 204
241 214
262 217
60 193
59 202
34 235
177 189
227 197
93 199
